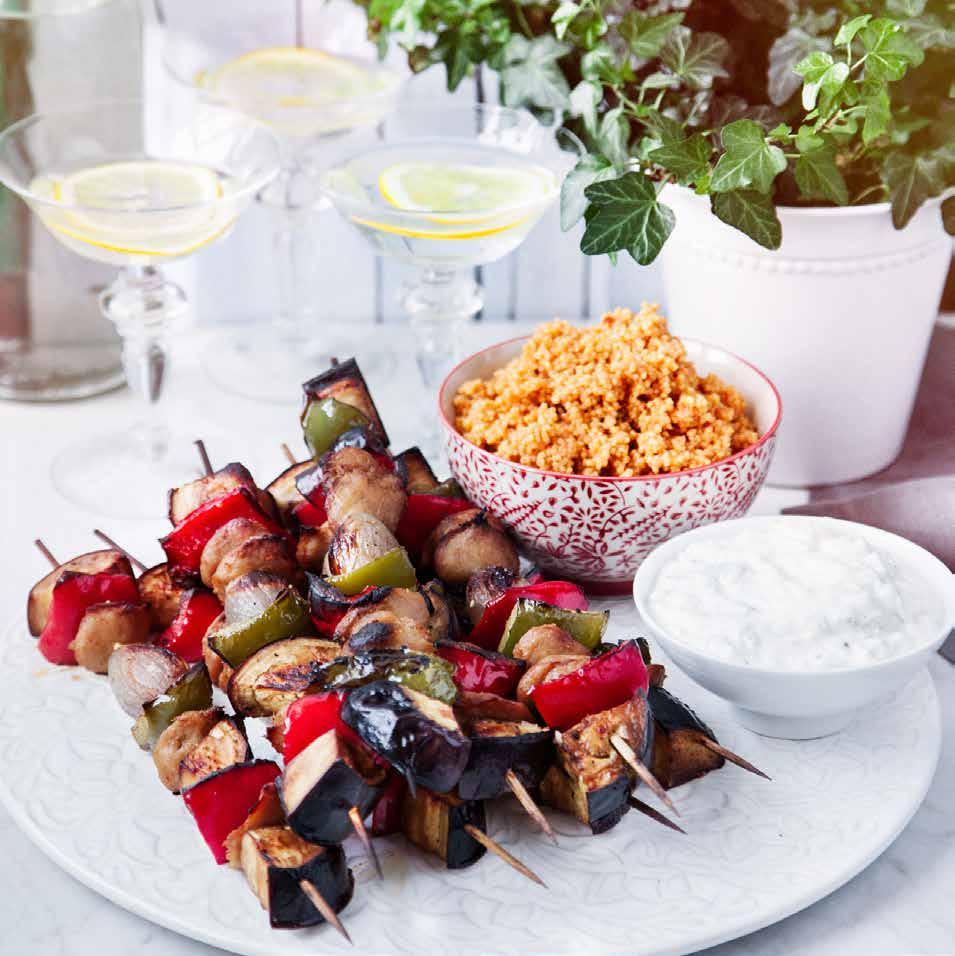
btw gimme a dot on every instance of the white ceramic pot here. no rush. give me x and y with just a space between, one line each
839 318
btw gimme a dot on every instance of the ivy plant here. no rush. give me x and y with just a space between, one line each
755 104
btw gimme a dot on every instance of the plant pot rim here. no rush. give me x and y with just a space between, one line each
823 212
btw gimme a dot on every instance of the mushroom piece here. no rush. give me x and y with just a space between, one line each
359 539
266 553
547 669
224 745
179 739
466 543
312 546
226 539
546 640
355 481
103 627
161 595
220 673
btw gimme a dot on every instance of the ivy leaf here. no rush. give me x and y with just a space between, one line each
818 176
584 100
602 65
531 76
889 52
948 215
626 213
929 31
645 35
697 58
878 113
912 180
787 51
752 213
821 72
573 203
905 8
613 136
562 18
748 159
849 29
687 159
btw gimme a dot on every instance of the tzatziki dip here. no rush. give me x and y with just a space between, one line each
793 595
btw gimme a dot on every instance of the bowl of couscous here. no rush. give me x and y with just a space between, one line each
596 443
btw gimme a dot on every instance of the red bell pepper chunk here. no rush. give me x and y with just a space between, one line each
490 628
601 683
221 802
481 671
184 544
308 718
422 514
310 515
198 608
72 595
386 817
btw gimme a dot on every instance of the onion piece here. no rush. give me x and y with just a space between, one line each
139 673
249 595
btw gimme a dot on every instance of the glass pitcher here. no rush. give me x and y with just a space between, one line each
54 342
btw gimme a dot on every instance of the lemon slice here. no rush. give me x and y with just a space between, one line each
137 208
456 188
287 77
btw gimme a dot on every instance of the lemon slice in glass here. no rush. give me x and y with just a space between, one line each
146 208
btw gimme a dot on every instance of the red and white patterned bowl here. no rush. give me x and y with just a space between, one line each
594 530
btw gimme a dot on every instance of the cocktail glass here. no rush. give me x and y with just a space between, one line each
253 58
444 189
112 188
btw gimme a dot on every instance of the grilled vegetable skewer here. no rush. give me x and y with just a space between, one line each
106 539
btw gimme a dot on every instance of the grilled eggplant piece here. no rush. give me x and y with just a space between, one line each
485 586
276 861
266 813
435 823
321 784
95 562
284 490
355 481
278 673
103 627
269 553
344 383
414 469
312 545
498 746
178 740
590 779
468 542
678 754
420 672
359 539
224 746
139 673
418 735
161 595
186 498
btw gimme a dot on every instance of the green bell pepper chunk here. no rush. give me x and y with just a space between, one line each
424 673
286 616
324 420
585 627
393 569
193 691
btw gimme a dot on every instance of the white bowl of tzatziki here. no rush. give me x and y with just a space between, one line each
797 622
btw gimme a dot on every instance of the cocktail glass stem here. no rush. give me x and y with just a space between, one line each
143 304
439 305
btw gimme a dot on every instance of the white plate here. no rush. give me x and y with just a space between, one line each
756 852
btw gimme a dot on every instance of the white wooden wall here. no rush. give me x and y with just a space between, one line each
233 281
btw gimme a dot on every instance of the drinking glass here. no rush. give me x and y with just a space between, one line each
110 191
252 58
446 188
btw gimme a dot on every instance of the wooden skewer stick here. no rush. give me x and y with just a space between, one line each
321 904
289 454
732 758
204 455
647 810
358 825
527 802
498 850
626 751
106 539
46 552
